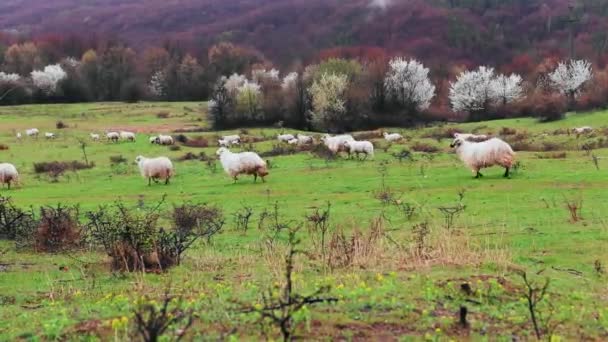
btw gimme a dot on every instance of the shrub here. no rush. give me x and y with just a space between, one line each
60 125
191 156
60 167
279 150
423 147
3 147
546 107
162 115
442 133
368 135
174 148
199 141
16 224
507 131
58 229
119 159
180 138
556 155
321 151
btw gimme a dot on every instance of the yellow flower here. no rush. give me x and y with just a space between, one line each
379 277
438 330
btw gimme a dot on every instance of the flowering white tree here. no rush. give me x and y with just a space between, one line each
289 81
261 75
408 83
328 98
234 82
570 77
47 79
506 89
158 84
249 98
9 78
471 91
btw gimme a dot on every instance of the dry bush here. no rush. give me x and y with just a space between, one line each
252 139
175 148
368 135
521 146
555 155
547 146
199 141
15 223
180 138
60 125
561 131
442 133
321 151
357 249
202 156
507 131
280 149
3 147
118 159
424 147
163 115
190 130
57 167
58 229
153 322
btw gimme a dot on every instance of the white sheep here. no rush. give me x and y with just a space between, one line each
94 136
153 139
358 147
304 139
285 137
479 155
234 139
336 144
248 163
155 168
49 135
392 137
19 135
293 141
582 130
32 132
471 137
164 140
8 174
126 135
113 136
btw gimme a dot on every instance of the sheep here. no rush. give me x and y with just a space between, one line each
94 136
8 174
49 135
336 144
472 137
293 141
479 155
153 139
19 135
248 163
304 139
358 147
234 139
582 130
285 137
32 132
392 137
155 168
164 140
227 143
126 135
113 136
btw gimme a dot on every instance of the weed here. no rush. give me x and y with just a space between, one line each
450 213
152 321
574 207
242 217
534 295
318 227
175 148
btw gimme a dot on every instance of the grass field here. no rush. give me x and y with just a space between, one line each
391 293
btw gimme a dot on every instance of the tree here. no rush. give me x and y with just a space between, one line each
328 100
23 58
506 89
248 101
116 67
220 104
408 84
158 84
234 83
570 77
472 91
48 79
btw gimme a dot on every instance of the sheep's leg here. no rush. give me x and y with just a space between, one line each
263 180
478 174
167 180
149 181
506 175
235 179
255 177
365 158
9 184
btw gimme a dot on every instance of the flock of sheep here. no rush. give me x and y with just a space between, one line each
476 152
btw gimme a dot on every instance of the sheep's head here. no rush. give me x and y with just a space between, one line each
153 140
325 137
457 143
138 159
385 134
346 144
221 150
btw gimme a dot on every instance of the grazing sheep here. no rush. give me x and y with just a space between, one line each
113 136
392 137
242 163
358 147
285 137
164 140
153 139
472 137
336 144
94 136
232 139
582 130
19 135
126 135
293 141
8 174
32 132
155 168
49 135
479 155
227 143
304 139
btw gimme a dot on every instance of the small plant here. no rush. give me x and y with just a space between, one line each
384 194
599 267
596 161
402 155
321 151
242 217
211 165
56 168
574 207
16 224
152 321
118 159
163 115
450 213
407 209
279 150
534 295
423 147
420 234
318 227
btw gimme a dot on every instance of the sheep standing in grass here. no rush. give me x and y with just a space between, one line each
230 140
155 168
304 139
94 137
582 130
19 135
49 135
126 135
32 132
293 141
248 163
479 155
472 137
8 174
164 140
392 137
336 144
359 147
113 136
285 137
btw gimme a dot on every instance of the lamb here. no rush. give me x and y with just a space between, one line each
479 155
126 135
336 144
49 135
8 174
304 139
472 137
155 168
113 136
285 137
582 130
248 163
32 132
232 139
94 136
358 147
164 140
392 137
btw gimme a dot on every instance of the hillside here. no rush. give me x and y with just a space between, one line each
288 30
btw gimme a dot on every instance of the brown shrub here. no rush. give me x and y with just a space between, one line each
191 156
442 133
251 139
550 146
57 168
507 131
423 147
60 125
162 115
3 147
545 106
58 230
280 150
521 146
321 151
555 155
119 159
199 141
175 148
190 130
367 135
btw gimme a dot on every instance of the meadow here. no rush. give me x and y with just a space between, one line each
430 239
